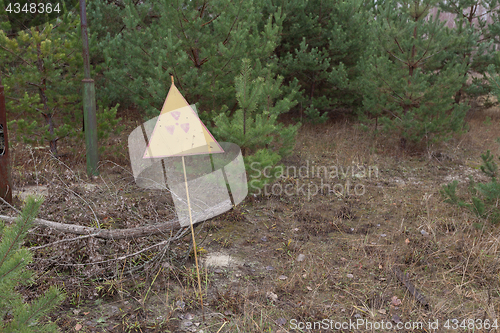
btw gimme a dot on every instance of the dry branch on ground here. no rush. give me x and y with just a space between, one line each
114 234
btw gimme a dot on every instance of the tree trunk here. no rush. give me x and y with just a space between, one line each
53 143
43 97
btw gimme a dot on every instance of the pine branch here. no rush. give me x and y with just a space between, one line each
13 53
24 315
42 305
20 228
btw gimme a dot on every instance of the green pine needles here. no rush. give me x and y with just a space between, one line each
494 79
320 51
254 125
15 314
42 69
412 78
484 196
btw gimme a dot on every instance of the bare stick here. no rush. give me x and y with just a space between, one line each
194 240
8 204
152 229
60 241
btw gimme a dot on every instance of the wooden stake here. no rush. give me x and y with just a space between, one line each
89 106
194 240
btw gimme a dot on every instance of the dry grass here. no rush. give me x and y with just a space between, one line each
350 241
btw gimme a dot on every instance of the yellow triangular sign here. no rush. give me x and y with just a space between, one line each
179 131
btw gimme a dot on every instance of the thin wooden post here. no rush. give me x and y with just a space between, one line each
89 108
5 180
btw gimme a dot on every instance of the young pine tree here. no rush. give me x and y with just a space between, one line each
15 314
322 44
482 197
42 78
201 43
254 125
42 69
409 86
478 26
4 19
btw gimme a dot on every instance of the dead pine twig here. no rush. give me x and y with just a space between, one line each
405 280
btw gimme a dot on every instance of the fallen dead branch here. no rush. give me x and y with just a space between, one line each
147 230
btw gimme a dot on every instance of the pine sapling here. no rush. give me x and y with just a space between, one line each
15 314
